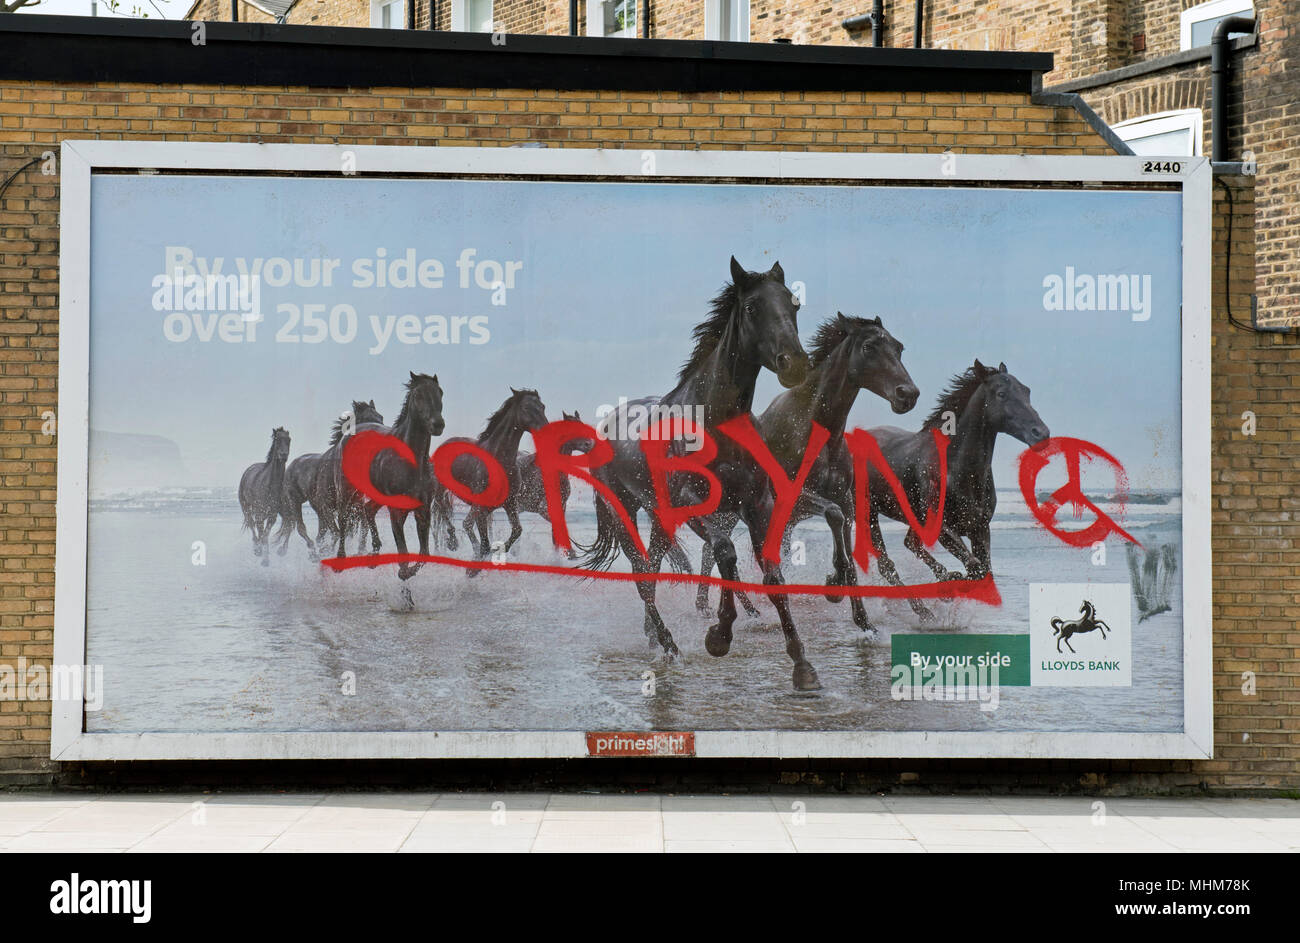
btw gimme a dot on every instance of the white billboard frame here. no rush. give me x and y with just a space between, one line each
81 159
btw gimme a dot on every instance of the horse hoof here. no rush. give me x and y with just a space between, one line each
833 580
408 601
715 643
751 610
805 677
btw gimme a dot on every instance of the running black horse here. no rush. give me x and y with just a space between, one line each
849 354
301 474
261 489
753 325
980 403
523 411
416 425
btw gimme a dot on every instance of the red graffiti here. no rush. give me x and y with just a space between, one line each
362 449
866 452
1034 460
496 490
554 462
786 492
982 590
655 446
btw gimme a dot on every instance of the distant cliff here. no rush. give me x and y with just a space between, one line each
126 461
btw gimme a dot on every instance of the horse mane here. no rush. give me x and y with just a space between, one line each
504 409
336 430
959 392
406 401
708 332
832 332
275 434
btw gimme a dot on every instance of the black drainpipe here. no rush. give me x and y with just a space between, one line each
433 14
916 25
645 21
234 11
573 17
1220 63
878 23
410 14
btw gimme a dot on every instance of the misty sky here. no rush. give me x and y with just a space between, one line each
614 277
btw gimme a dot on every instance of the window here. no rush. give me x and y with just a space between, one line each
611 18
1197 24
471 16
727 20
1168 134
388 14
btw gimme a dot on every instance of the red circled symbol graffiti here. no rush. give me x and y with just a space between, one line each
1034 460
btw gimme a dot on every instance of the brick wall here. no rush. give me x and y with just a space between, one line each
1256 526
1262 120
1256 548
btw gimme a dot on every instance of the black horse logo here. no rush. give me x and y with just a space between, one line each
1062 630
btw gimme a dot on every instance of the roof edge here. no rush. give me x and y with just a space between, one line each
71 48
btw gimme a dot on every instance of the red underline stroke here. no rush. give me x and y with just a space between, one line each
983 590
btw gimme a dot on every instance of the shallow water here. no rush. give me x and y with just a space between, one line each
235 646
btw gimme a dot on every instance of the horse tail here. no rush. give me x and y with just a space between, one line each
439 512
1057 624
678 560
601 553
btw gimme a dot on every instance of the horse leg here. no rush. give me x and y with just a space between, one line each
717 640
516 529
1065 637
856 604
951 543
468 525
981 550
341 516
442 514
397 520
654 627
890 572
1102 627
702 590
839 556
371 512
757 515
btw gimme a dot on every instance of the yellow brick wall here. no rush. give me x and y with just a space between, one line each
1255 605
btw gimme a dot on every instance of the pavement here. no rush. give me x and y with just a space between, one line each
522 822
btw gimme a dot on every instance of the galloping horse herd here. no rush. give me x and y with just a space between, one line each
752 326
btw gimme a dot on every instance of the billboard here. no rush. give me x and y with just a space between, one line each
388 452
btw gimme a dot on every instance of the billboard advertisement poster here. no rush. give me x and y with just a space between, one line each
461 452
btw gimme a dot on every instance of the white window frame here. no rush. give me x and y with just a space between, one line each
596 20
1191 119
460 18
1209 11
713 21
377 13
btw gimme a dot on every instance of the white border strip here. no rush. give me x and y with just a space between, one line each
80 158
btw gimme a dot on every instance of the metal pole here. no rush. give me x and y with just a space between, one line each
1220 63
